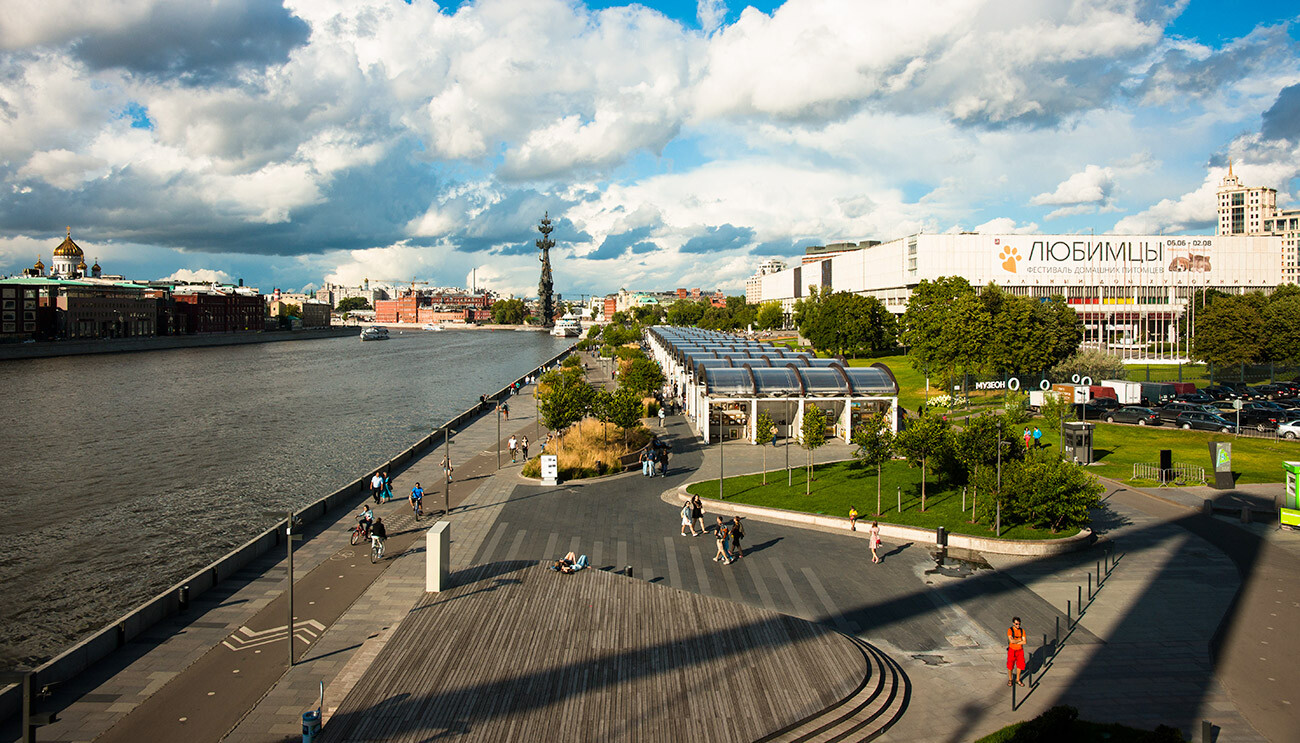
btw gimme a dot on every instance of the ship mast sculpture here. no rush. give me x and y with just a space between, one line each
545 286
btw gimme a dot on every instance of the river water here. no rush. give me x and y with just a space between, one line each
122 474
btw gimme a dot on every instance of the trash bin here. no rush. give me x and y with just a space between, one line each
941 537
310 725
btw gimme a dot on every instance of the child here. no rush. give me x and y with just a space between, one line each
853 519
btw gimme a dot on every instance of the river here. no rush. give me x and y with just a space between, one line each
124 473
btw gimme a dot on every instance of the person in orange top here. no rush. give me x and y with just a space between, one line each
1015 652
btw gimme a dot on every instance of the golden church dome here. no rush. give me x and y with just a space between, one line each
39 266
68 249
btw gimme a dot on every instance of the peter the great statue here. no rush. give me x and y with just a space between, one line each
545 286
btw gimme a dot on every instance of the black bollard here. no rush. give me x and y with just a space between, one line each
1090 586
183 598
628 571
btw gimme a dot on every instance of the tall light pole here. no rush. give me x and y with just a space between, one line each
998 516
498 434
289 539
446 472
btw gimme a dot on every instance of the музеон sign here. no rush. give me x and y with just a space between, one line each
1013 383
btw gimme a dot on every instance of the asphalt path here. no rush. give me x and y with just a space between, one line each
1256 655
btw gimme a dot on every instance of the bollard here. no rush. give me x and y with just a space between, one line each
1098 575
1067 613
1207 507
1080 597
900 499
1056 644
963 500
1207 732
1245 514
437 558
1090 586
183 598
628 571
310 725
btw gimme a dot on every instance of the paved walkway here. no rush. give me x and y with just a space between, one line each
1141 654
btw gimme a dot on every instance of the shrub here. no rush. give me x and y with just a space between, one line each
587 449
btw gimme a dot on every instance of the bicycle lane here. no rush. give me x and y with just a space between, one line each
210 697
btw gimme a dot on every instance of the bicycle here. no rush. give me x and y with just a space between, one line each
417 507
376 549
358 533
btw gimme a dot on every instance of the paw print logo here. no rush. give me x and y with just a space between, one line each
1009 257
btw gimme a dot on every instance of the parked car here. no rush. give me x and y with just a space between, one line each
1201 421
1241 388
1171 411
1133 414
1261 419
1096 408
1289 430
1272 391
1198 398
1221 392
1225 407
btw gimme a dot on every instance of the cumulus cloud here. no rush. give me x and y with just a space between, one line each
716 239
1006 226
199 275
710 14
1092 185
1282 119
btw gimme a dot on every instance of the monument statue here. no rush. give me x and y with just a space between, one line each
545 286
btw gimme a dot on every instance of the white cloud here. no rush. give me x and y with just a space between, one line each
1092 185
1006 226
198 275
710 14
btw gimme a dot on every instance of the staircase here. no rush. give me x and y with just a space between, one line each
863 715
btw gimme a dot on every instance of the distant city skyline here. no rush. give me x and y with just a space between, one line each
292 143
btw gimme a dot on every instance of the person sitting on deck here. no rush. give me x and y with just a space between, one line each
570 563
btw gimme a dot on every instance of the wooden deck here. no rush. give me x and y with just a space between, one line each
517 652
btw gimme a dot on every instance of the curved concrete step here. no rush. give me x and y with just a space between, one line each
864 714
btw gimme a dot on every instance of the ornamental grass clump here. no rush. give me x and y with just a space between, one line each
585 450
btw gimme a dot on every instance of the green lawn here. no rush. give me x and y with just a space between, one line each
837 486
1080 731
1118 447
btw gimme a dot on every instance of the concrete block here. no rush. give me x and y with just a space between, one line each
437 557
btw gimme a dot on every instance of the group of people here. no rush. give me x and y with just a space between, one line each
570 563
518 447
654 459
1033 438
728 535
873 536
381 488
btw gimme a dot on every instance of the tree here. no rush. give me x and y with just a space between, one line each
813 432
1230 331
764 433
685 312
1282 326
602 407
348 304
975 445
290 310
509 312
1091 362
625 411
849 323
563 398
642 377
769 316
925 439
925 322
1045 492
1056 410
875 447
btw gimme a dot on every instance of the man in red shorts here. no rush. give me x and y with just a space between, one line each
1015 652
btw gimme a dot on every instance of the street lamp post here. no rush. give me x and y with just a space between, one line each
498 434
446 472
289 539
998 517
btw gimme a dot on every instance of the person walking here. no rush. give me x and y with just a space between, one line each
697 513
505 411
1028 437
645 462
737 534
376 487
720 536
387 493
1015 652
687 522
853 519
661 416
1038 437
873 538
663 461
523 447
446 467
513 444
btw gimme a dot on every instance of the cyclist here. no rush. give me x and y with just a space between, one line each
417 498
378 535
367 519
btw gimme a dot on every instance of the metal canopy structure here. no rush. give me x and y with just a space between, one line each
725 380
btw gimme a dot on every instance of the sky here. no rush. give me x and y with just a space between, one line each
290 143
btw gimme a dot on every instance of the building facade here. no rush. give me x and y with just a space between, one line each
1252 210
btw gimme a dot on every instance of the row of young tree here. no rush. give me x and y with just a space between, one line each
1248 328
1028 487
564 396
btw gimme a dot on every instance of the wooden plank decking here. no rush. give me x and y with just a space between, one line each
517 652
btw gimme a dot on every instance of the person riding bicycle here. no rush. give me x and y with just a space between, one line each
417 497
366 518
378 531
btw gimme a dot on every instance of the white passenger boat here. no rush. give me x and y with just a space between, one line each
567 327
431 326
375 333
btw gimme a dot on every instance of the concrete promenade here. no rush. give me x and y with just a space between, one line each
1152 647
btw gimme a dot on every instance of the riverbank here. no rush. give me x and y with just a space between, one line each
53 349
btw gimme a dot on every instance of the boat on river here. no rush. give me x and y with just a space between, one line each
567 327
431 326
375 333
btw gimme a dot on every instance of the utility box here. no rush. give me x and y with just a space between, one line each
1289 514
1077 441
